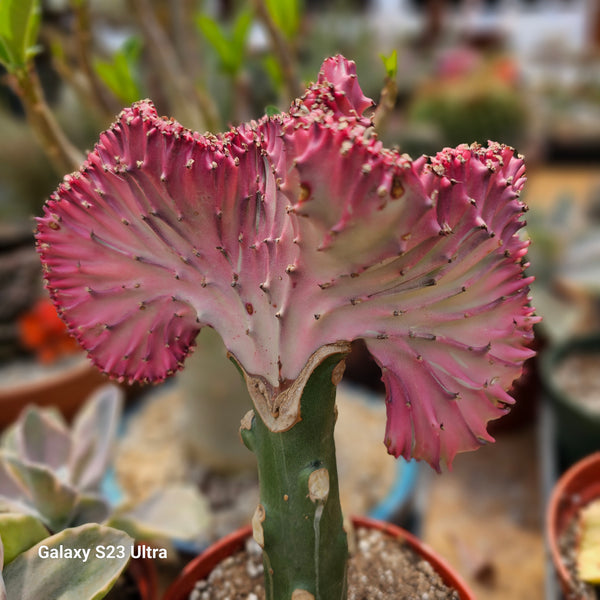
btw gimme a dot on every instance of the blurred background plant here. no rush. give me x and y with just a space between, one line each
471 97
463 70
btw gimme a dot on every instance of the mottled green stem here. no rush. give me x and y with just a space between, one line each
299 519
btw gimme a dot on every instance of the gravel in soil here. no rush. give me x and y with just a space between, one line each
567 544
381 568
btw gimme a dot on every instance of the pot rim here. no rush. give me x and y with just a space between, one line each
77 366
205 562
589 344
66 389
570 493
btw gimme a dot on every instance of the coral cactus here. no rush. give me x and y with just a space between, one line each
291 237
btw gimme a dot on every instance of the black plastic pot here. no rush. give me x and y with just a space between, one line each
577 427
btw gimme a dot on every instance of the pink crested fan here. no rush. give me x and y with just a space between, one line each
292 236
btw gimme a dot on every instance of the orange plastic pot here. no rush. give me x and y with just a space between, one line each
200 567
65 389
578 486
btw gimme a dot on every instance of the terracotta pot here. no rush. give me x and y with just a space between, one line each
66 389
143 572
578 486
202 565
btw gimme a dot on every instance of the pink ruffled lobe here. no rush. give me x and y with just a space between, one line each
336 91
136 250
449 366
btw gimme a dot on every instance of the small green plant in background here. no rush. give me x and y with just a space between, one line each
19 28
230 46
104 83
472 98
287 16
121 73
228 43
390 64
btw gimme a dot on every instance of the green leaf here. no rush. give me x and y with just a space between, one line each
19 28
272 110
5 57
390 64
273 69
286 14
19 532
32 32
220 43
241 27
120 74
31 576
132 48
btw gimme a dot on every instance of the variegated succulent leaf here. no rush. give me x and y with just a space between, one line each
90 508
93 436
18 533
42 437
290 237
155 518
35 490
57 567
52 472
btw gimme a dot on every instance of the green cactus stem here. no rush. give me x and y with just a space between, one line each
298 522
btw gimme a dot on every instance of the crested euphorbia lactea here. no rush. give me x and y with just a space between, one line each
292 236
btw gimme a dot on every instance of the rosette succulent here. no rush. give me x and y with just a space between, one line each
51 479
292 236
